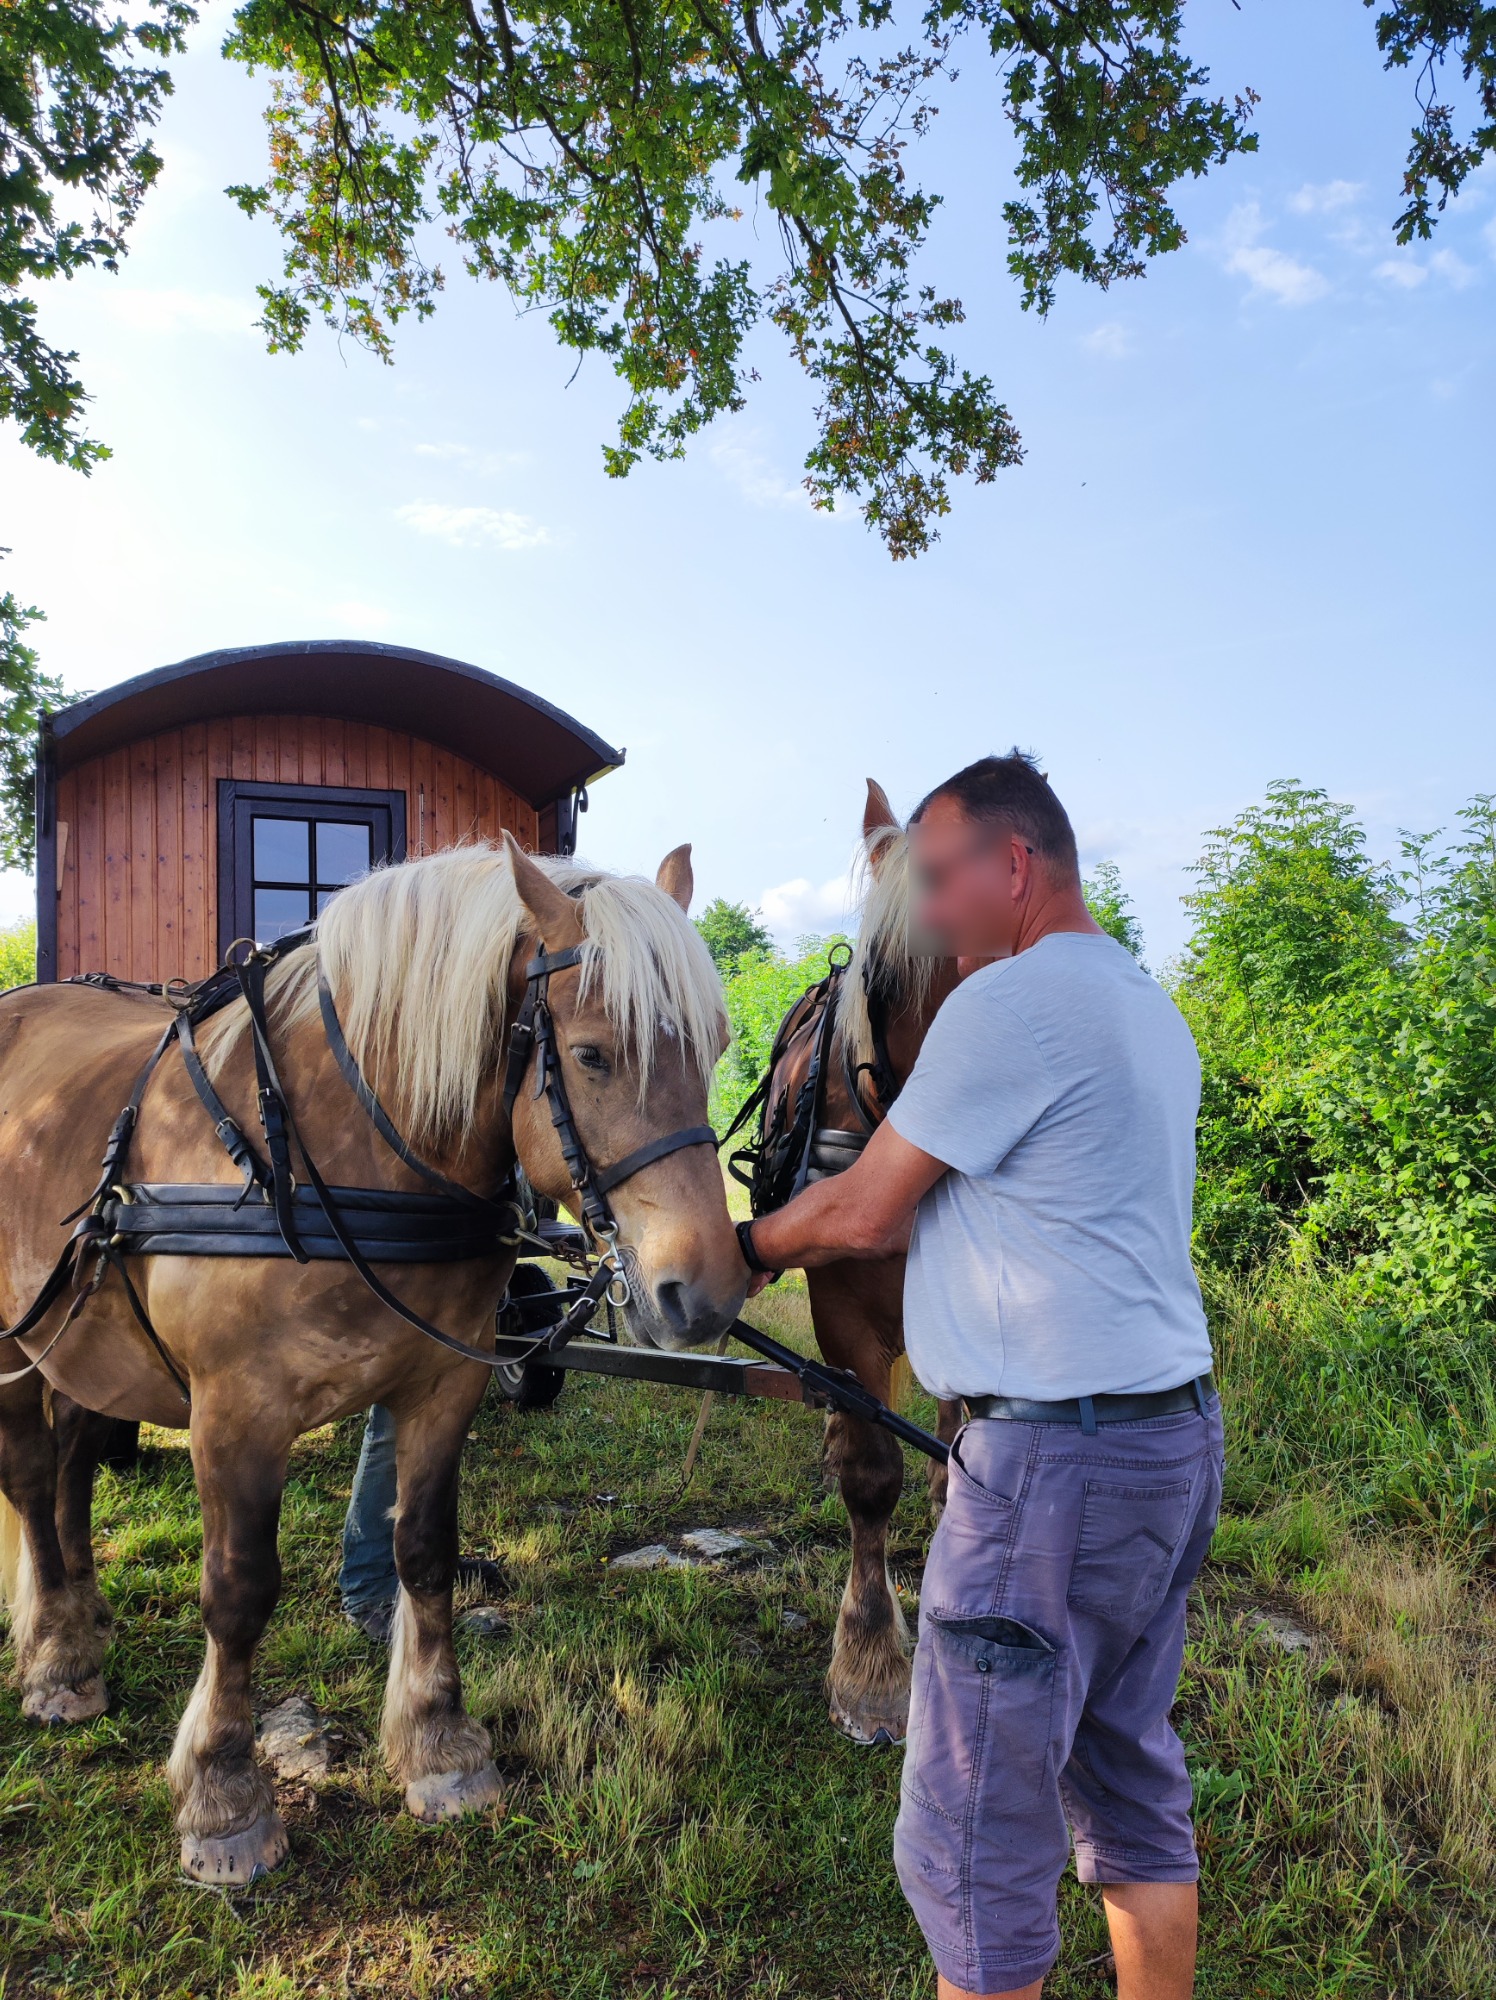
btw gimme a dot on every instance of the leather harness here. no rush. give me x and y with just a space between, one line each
793 1145
271 1215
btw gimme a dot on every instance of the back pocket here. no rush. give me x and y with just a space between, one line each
1124 1556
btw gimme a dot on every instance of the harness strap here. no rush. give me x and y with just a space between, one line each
234 1142
375 1112
275 1114
810 1090
94 1233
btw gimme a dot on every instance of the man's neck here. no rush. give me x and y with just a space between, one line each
1052 912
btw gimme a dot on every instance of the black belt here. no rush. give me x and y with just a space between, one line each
1089 1411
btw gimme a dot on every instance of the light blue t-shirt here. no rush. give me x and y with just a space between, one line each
1053 1260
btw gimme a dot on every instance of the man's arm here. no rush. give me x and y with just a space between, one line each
865 1212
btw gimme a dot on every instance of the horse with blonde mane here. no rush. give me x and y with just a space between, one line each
883 1006
427 966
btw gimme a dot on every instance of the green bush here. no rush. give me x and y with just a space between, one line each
18 954
1346 1020
760 992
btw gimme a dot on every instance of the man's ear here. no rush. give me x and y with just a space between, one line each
674 876
553 912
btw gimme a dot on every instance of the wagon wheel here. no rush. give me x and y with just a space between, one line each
529 1385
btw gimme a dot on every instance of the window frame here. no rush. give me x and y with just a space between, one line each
240 801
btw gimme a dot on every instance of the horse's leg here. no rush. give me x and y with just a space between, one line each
432 1745
948 1421
84 1439
231 1832
59 1621
868 1680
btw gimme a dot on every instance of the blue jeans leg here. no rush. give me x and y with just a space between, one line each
368 1577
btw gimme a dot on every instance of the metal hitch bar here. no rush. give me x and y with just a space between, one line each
782 1375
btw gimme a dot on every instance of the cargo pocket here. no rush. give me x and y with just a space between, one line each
983 1694
1124 1555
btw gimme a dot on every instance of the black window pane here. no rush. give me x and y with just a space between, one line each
324 897
278 911
344 850
282 852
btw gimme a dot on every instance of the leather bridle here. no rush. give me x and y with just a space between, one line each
313 1221
533 1037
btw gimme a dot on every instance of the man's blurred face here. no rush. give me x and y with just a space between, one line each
972 880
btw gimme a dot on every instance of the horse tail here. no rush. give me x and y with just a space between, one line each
12 1548
900 1382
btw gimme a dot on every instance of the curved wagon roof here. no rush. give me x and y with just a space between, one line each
535 747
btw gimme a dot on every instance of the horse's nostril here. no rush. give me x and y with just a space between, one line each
674 1302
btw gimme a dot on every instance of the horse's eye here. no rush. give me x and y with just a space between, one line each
591 1057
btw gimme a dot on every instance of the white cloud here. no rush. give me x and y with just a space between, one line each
1408 273
473 527
755 478
1489 232
1452 269
1282 277
1111 338
791 909
176 311
1324 197
1405 272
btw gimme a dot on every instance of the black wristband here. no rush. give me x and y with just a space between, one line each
750 1256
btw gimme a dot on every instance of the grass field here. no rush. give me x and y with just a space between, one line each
681 1820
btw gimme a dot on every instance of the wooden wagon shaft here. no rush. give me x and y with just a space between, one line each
728 1376
792 1380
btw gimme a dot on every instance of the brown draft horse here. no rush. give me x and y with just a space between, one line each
885 1004
426 964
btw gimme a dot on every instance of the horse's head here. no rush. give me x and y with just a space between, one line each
638 1024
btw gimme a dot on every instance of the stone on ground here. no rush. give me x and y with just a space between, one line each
293 1740
714 1543
1275 1628
654 1556
484 1622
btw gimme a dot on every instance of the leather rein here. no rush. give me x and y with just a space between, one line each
271 1215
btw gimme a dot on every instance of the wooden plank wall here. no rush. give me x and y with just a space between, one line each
138 881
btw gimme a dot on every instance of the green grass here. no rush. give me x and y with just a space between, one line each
680 1819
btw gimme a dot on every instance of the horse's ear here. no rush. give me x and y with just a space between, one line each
554 912
674 875
877 812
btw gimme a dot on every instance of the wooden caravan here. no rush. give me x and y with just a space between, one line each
230 795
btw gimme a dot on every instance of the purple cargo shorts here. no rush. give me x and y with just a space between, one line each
1051 1636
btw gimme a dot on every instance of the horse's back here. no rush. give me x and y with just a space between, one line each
59 1046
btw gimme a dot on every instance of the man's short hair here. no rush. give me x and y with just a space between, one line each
1014 790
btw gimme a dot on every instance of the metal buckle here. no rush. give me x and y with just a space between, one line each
617 1292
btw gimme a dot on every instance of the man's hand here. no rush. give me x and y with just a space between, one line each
866 1212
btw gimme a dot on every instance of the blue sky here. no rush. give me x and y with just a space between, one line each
1252 537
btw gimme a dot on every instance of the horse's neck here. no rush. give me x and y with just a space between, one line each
909 1021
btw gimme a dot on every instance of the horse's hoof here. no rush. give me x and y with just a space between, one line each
234 1860
67 1704
450 1794
870 1735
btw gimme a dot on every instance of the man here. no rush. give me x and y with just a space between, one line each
1044 1150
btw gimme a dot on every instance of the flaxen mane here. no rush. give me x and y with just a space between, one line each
882 962
418 958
